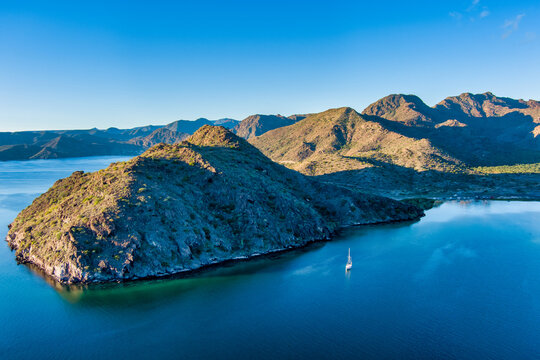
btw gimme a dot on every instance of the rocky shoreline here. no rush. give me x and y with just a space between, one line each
186 273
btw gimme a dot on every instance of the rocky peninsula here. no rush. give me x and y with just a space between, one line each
175 208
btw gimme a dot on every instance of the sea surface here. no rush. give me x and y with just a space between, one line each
461 283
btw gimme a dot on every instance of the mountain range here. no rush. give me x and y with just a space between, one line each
52 144
400 145
25 145
398 142
458 133
481 129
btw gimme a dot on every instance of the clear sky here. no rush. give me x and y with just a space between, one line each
83 64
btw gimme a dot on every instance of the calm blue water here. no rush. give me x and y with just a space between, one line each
464 282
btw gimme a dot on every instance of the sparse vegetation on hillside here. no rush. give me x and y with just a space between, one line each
478 145
341 139
509 169
179 207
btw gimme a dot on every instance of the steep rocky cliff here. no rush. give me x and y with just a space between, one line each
179 207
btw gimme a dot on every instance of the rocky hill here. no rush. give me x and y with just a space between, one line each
405 109
478 129
459 134
480 145
341 139
176 208
487 105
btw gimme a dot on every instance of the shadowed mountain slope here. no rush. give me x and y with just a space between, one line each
401 146
480 130
469 105
341 139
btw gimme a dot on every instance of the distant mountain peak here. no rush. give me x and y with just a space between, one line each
336 113
408 109
484 105
343 109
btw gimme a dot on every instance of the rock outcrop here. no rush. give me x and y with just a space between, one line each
406 109
177 208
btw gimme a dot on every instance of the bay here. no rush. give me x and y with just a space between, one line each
463 282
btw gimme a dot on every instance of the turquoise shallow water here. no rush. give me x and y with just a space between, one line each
463 282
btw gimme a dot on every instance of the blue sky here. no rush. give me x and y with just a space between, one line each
75 64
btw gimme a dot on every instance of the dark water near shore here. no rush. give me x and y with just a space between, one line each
463 282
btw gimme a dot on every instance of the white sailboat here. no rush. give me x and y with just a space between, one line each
349 262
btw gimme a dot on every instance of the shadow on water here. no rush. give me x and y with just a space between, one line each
359 230
145 292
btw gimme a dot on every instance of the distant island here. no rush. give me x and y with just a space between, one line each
177 208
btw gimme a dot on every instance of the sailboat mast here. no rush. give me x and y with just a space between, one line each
349 262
